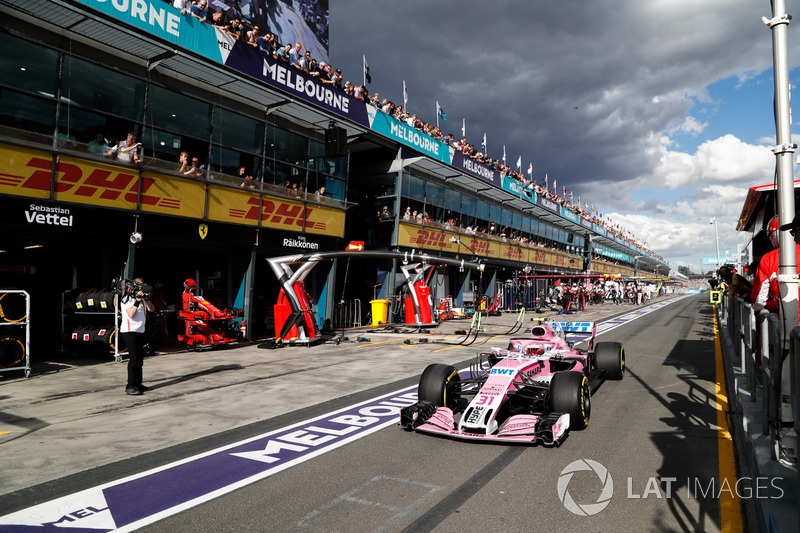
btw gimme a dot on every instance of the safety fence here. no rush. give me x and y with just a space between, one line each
767 372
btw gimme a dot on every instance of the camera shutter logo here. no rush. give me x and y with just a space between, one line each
586 509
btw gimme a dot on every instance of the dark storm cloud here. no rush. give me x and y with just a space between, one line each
580 89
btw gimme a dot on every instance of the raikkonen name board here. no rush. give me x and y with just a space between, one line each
29 173
428 238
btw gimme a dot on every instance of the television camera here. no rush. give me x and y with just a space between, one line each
126 288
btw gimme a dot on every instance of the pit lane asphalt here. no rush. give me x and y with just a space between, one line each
71 427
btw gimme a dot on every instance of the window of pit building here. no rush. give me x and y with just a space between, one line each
117 95
178 113
434 201
469 205
28 88
235 130
31 68
27 117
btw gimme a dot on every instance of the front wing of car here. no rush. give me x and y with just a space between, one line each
427 418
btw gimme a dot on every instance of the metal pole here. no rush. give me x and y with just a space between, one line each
784 150
716 239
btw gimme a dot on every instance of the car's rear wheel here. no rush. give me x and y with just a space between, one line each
610 356
570 393
440 385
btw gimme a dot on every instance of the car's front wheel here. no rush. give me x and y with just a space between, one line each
440 385
570 393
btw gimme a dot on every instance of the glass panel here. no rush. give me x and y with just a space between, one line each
178 113
80 125
434 194
28 66
237 131
118 93
468 207
413 188
517 221
27 113
507 218
495 215
167 147
288 146
334 188
483 210
452 200
234 163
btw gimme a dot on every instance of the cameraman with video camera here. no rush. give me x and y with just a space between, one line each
134 305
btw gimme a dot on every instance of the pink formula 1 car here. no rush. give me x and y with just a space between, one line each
534 391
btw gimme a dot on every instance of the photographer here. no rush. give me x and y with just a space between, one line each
134 306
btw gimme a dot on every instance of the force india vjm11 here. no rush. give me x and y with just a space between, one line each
534 391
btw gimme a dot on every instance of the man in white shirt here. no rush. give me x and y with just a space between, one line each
134 315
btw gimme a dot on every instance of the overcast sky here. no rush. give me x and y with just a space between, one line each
657 112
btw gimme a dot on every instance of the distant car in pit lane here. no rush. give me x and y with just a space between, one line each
534 391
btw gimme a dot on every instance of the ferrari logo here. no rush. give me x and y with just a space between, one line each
202 229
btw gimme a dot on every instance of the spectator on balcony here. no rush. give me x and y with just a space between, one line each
194 170
128 150
183 159
313 69
338 79
183 5
305 61
199 10
295 55
320 194
236 29
248 182
102 146
253 36
283 53
218 21
328 77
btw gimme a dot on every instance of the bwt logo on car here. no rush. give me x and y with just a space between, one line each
503 371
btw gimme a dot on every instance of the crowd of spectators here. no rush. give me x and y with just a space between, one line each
231 22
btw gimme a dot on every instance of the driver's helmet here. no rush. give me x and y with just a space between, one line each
536 350
772 231
189 284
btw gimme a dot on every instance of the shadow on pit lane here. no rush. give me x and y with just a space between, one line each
195 375
689 456
27 425
689 451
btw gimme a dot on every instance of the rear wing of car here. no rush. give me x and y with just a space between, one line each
575 332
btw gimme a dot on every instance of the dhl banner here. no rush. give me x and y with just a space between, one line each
428 238
94 183
29 173
240 207
181 197
25 172
599 267
228 205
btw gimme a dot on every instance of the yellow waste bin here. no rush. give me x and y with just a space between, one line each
380 310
